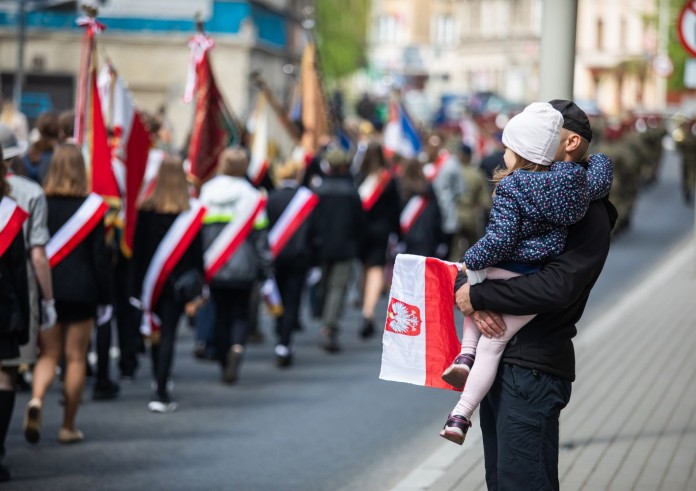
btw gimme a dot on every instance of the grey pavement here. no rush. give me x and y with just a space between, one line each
631 422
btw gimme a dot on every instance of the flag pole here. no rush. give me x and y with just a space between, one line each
260 84
309 25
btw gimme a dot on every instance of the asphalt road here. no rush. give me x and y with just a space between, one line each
328 423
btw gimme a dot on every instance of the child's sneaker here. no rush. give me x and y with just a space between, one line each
455 428
457 373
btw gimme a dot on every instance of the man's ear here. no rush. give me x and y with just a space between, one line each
573 142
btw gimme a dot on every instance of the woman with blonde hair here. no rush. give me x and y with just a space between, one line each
80 285
167 219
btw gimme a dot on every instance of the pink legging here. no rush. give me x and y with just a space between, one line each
488 352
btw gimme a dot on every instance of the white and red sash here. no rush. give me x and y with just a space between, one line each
411 212
372 188
76 229
167 255
431 171
12 217
233 234
297 211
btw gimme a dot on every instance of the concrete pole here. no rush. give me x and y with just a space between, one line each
662 39
557 53
21 38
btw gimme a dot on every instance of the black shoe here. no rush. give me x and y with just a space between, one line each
329 341
283 356
368 329
199 351
4 474
230 372
105 390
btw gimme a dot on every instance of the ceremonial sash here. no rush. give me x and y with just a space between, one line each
411 212
76 229
292 217
372 188
11 219
432 170
167 255
233 234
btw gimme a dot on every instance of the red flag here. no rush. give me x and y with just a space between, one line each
213 129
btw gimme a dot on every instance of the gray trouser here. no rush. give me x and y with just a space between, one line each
335 277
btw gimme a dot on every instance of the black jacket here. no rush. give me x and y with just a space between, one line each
84 275
149 232
338 225
383 217
14 292
425 235
296 254
558 294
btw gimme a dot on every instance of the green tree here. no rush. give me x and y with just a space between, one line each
341 31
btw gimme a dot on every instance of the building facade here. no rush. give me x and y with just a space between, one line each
465 46
147 43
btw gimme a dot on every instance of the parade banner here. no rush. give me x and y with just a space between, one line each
313 105
12 217
76 229
233 234
372 188
167 255
420 340
413 209
432 170
131 145
297 211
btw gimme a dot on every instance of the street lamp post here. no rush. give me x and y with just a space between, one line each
557 56
19 73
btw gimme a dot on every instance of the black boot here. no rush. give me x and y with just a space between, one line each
368 329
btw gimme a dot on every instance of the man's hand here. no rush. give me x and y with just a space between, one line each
489 323
461 298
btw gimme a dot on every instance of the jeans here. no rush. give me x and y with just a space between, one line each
519 422
205 326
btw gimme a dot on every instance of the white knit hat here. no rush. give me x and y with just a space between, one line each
535 133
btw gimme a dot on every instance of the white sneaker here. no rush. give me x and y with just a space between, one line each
161 407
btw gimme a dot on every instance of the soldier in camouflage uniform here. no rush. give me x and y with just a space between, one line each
472 205
651 134
686 144
626 155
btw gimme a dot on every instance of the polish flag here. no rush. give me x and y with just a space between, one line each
420 340
76 229
411 212
297 211
233 234
372 188
401 135
167 255
12 218
131 145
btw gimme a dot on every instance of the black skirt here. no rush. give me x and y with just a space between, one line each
9 347
75 311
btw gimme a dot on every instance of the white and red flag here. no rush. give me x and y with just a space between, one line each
233 234
131 145
420 340
297 211
372 188
167 255
413 209
76 229
90 130
11 219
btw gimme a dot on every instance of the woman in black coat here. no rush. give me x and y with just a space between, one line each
80 285
156 215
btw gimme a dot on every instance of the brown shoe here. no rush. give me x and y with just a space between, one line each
32 421
70 436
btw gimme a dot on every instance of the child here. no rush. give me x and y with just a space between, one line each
535 200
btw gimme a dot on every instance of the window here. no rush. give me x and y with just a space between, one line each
444 30
600 34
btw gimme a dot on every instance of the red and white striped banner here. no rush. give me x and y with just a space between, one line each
76 229
411 212
297 211
233 234
167 255
12 217
420 339
431 171
372 188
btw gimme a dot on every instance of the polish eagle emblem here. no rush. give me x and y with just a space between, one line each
403 318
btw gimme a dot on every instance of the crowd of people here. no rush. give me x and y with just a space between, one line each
314 227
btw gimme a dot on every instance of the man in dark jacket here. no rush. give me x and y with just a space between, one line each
520 414
337 234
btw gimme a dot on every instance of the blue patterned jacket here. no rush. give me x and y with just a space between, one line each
532 210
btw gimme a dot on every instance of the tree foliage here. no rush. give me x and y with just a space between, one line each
341 30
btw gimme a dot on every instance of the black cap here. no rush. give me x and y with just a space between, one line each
574 118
